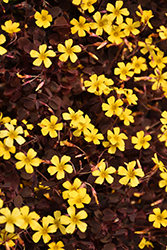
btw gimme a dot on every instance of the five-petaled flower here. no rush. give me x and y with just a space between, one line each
10 27
130 174
80 26
115 140
50 126
113 107
42 56
60 166
117 12
68 51
42 231
27 160
158 218
140 140
74 220
103 173
79 197
56 222
11 219
124 70
43 18
12 134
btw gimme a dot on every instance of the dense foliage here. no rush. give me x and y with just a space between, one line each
83 124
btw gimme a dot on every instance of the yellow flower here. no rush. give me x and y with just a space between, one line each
104 173
163 183
43 18
79 197
10 27
159 79
147 46
56 222
113 107
27 160
50 127
116 34
42 56
60 166
130 27
4 119
97 84
87 5
75 117
138 64
144 243
158 164
43 231
101 23
2 40
145 16
141 140
28 217
123 70
115 140
12 134
10 218
56 246
93 136
6 1
80 26
83 126
130 174
127 117
158 218
6 239
5 150
117 12
68 51
158 60
130 97
74 220
71 187
162 32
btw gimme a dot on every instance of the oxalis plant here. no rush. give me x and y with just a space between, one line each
83 125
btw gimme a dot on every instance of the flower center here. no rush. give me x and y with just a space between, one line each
43 18
61 166
52 126
43 56
116 34
103 174
159 217
123 71
142 141
89 4
75 219
12 134
68 51
6 148
137 65
27 159
116 12
131 174
44 231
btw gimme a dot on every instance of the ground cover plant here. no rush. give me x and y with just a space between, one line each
83 124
